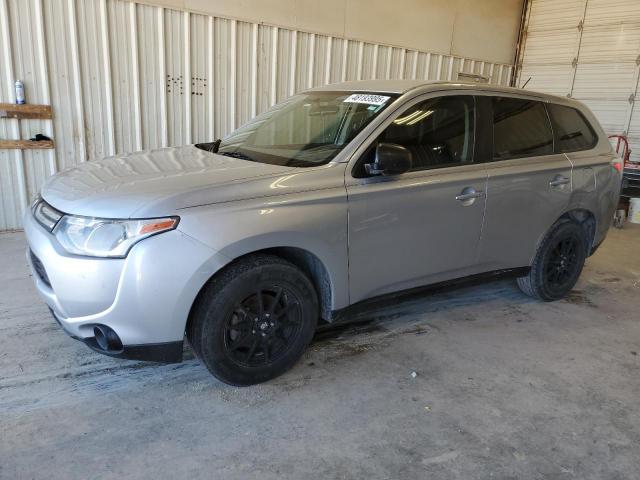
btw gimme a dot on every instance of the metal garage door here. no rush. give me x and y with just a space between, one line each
589 50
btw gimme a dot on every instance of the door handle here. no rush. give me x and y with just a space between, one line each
559 180
468 195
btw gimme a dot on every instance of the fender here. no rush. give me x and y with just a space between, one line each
336 269
314 222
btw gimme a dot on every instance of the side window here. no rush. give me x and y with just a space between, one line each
573 132
438 132
520 129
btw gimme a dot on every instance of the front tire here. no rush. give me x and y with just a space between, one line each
253 321
557 264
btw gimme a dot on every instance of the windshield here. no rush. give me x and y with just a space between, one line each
305 130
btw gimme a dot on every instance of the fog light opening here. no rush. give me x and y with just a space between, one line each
107 339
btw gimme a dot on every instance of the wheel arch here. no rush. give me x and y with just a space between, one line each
586 219
309 263
583 217
315 269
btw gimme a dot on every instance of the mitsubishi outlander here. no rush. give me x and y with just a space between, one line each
336 195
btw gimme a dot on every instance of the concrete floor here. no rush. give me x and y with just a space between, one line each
507 387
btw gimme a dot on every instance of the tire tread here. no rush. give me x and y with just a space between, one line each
531 284
213 297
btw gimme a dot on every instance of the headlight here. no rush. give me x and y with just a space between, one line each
99 237
35 201
45 214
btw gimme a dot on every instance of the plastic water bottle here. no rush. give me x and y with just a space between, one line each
20 93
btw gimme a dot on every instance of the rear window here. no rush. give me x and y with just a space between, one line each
521 128
573 132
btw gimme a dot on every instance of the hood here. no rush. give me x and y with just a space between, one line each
151 183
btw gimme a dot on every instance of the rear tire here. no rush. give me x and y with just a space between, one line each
557 264
253 321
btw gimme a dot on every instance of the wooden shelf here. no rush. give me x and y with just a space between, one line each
26 111
22 112
25 144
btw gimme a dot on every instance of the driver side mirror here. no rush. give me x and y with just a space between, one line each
390 159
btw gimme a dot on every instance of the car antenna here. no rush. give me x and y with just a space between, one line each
525 83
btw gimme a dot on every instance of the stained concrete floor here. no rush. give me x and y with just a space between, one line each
506 387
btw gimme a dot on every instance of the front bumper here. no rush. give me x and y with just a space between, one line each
167 352
144 298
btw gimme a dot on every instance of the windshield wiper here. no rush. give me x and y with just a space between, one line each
210 146
236 154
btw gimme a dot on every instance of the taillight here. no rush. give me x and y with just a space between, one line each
617 164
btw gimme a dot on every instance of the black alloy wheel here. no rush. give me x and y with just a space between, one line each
562 263
557 263
253 320
262 327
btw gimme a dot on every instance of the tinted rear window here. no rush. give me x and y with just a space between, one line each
573 132
521 128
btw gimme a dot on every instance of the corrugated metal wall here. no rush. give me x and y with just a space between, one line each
123 76
589 50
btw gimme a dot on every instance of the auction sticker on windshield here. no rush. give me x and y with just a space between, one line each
366 98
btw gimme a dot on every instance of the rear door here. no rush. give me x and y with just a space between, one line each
595 182
575 138
528 187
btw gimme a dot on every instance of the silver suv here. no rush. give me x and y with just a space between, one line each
334 196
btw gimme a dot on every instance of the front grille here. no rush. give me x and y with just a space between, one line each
39 268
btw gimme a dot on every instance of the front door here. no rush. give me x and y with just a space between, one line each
422 226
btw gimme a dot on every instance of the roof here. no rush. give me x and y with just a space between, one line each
403 86
381 86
